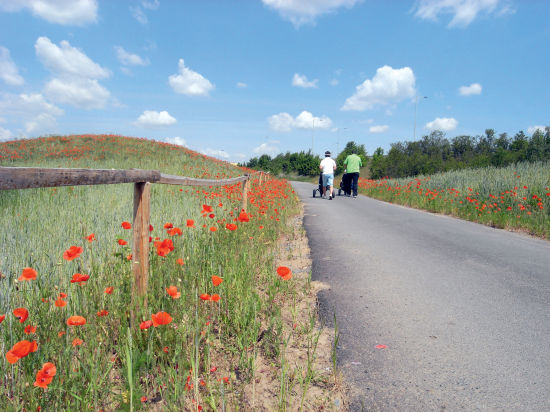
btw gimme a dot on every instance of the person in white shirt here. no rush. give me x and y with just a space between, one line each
328 167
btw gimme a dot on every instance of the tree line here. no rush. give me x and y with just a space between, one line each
431 154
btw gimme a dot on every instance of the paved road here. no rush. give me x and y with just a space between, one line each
463 309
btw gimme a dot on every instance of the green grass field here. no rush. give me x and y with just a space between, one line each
204 355
516 197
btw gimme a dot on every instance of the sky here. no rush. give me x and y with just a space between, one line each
238 79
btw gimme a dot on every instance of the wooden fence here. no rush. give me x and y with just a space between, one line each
34 177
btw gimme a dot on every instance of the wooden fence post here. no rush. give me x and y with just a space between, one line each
245 193
140 248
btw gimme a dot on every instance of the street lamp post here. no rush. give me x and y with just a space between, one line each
416 104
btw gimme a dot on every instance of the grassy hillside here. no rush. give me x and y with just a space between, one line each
514 197
203 344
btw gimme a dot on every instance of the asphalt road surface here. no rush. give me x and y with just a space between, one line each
462 309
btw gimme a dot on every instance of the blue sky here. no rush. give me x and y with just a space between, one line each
236 79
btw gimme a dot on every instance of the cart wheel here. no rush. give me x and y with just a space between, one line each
314 190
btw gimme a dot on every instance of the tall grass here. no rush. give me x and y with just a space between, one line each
513 197
206 352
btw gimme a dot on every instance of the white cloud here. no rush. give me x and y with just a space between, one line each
474 88
386 87
334 82
176 140
464 11
78 92
533 129
378 129
284 122
67 60
5 134
299 80
32 110
152 118
139 14
242 85
129 59
68 12
75 75
215 153
189 82
266 148
281 122
445 124
8 69
300 12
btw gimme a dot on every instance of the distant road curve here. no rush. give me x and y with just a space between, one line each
462 311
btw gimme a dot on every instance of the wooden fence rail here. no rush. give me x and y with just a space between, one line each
35 177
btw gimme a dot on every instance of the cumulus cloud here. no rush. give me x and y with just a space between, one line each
189 82
445 124
67 12
474 88
464 11
284 122
153 118
176 140
300 12
138 11
299 80
67 60
5 134
215 153
8 70
388 86
33 110
129 59
378 129
533 129
75 80
266 148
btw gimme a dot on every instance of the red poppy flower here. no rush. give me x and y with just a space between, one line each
79 277
91 238
77 342
29 329
175 231
76 321
161 318
213 229
146 324
72 253
60 303
211 215
60 333
126 225
180 262
165 349
243 217
109 290
27 274
206 208
168 225
205 296
231 226
122 242
45 375
215 297
190 223
150 228
20 350
216 280
2 317
22 314
62 295
102 313
173 291
164 247
284 272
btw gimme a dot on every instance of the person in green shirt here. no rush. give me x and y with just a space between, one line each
353 163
